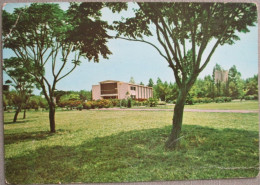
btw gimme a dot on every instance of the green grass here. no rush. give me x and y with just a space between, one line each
234 105
127 146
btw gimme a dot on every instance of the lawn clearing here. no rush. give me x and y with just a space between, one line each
127 146
234 105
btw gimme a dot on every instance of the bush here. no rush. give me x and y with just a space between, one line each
74 103
251 97
189 100
115 102
223 99
129 102
87 105
33 104
152 102
160 102
104 103
80 107
123 103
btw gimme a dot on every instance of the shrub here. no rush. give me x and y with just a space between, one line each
123 103
223 99
146 103
251 97
160 102
129 102
152 102
74 103
33 104
80 107
104 103
87 105
115 102
189 100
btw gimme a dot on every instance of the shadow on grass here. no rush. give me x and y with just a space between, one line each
19 121
27 136
139 155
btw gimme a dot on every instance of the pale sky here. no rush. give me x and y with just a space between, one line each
141 61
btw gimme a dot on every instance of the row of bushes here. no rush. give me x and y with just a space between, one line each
251 97
191 101
106 103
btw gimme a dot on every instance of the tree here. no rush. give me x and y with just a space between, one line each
132 80
23 82
150 84
251 86
162 89
184 31
85 95
235 83
46 36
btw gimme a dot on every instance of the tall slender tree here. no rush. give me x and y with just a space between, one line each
184 31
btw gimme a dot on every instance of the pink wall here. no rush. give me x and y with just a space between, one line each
96 92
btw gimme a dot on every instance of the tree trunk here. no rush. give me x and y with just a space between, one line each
24 114
52 117
16 114
174 138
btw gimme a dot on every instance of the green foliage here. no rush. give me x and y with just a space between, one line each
132 80
251 85
70 103
151 83
152 102
33 104
123 103
129 102
104 103
189 100
251 97
88 32
89 105
222 99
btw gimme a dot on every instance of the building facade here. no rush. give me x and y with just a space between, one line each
111 89
221 76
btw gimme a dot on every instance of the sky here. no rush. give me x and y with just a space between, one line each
142 62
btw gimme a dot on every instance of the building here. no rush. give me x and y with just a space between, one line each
221 76
111 89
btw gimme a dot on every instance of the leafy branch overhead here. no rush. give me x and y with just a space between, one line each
184 30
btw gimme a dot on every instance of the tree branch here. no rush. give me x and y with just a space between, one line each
139 40
75 65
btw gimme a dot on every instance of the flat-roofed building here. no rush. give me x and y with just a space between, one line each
111 89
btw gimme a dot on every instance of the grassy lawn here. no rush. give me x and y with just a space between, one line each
127 146
234 105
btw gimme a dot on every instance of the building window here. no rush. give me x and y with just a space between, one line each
133 88
109 88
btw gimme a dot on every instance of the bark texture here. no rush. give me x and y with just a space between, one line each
174 138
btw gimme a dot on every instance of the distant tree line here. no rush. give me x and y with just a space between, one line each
235 87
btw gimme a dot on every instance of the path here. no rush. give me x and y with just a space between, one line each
186 110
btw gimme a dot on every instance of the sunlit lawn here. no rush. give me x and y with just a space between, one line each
124 146
234 105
